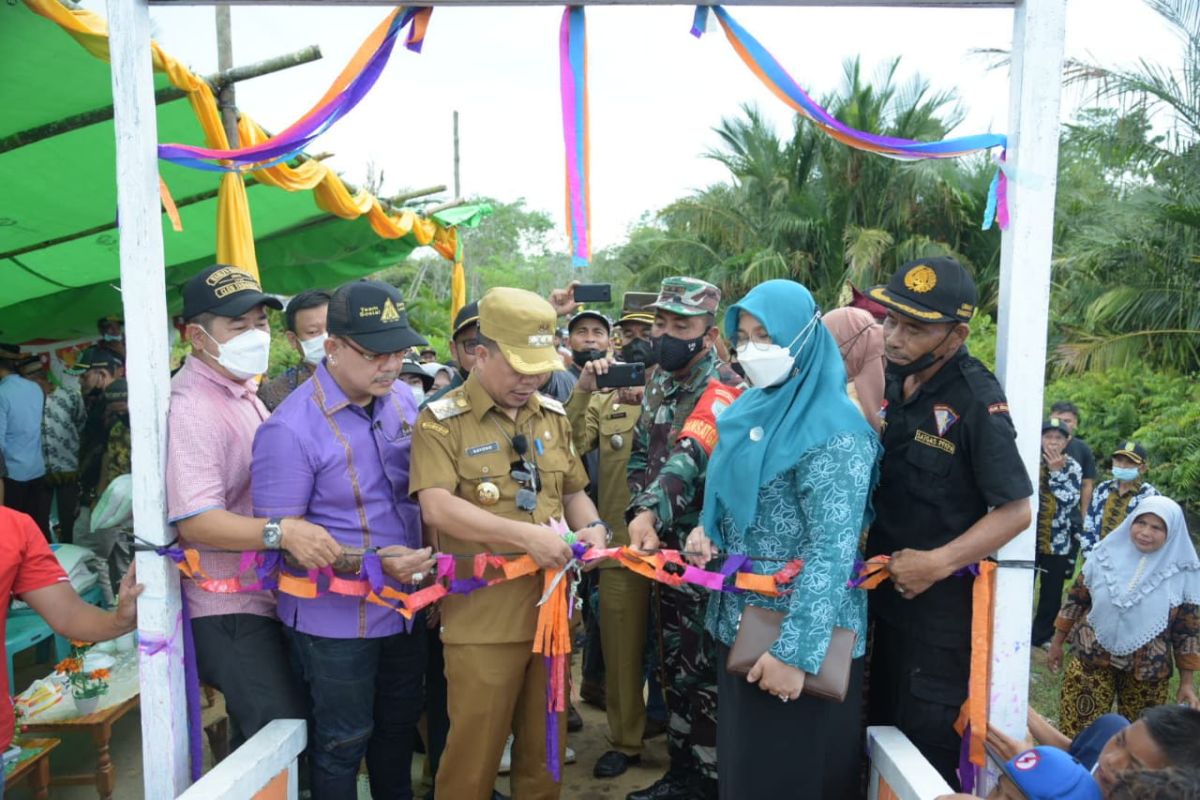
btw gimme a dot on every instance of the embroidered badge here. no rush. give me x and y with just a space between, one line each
921 279
945 417
490 447
389 313
1027 760
936 442
433 426
998 408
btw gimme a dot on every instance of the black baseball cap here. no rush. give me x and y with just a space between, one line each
930 290
605 321
100 357
413 368
467 315
1132 450
372 314
225 291
1056 424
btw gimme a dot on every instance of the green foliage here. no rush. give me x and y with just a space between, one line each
1160 410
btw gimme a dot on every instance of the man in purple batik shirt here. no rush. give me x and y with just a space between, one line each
336 453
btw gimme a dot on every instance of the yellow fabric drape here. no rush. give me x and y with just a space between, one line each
458 286
235 238
235 233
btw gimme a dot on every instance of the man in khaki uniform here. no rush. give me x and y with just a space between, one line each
492 462
604 421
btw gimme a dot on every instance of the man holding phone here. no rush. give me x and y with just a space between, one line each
602 422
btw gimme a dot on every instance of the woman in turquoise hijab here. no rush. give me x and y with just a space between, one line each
791 477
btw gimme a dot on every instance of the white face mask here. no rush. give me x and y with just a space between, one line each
246 354
770 365
418 393
314 349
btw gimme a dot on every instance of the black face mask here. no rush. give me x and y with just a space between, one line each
638 350
582 357
919 364
674 354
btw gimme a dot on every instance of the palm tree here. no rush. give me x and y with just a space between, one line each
1132 272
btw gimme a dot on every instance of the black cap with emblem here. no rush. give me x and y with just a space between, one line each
930 290
225 291
372 314
467 315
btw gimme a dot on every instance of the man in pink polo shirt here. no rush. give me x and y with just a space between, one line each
336 452
215 411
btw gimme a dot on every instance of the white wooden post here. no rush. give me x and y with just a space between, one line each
256 764
1025 250
897 761
164 709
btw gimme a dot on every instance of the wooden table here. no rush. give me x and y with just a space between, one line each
33 763
99 725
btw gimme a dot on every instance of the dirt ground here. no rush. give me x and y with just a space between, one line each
76 754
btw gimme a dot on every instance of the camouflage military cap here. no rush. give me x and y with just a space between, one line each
687 297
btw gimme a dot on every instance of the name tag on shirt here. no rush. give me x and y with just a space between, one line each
483 449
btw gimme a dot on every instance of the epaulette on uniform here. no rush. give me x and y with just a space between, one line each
452 405
550 404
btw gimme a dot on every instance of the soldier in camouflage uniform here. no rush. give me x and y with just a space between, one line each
666 482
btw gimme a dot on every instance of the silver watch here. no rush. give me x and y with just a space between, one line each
273 533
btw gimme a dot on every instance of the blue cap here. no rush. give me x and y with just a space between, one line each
1047 773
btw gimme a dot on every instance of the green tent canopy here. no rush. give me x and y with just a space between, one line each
59 265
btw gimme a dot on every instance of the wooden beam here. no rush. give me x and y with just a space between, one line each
897 761
144 296
1025 251
401 199
104 114
255 765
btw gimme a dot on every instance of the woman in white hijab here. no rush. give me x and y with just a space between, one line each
1133 606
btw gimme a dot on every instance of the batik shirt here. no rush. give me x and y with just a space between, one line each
62 422
1110 508
1150 662
1058 497
815 511
666 476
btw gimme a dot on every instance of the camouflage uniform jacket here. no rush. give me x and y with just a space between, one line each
667 477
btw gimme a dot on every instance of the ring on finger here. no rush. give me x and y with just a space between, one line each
417 577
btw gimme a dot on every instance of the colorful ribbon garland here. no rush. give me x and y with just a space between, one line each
552 638
572 53
347 90
775 77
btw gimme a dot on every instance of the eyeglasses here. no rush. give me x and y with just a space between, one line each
370 357
758 343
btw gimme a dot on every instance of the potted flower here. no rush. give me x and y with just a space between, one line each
87 684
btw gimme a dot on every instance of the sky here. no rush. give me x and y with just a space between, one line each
655 92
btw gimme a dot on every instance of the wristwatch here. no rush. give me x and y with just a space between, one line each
273 533
608 534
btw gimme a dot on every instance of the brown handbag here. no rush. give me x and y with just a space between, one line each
759 629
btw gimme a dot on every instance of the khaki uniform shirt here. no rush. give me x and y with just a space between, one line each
600 422
463 444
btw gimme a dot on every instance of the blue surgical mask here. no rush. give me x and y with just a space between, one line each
1125 473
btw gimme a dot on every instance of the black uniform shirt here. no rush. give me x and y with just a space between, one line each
950 454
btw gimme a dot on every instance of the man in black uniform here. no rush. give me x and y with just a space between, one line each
953 490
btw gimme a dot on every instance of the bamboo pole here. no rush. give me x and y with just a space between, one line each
401 199
217 81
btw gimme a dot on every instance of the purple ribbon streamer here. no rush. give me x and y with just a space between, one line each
552 762
282 148
372 570
966 770
191 680
467 585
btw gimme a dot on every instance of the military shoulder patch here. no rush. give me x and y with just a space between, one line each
441 430
998 408
550 404
450 406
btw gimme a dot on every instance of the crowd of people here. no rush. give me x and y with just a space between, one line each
770 435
